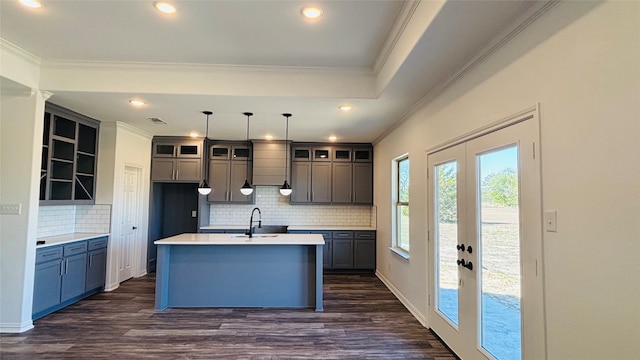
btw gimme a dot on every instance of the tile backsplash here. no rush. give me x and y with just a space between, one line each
65 219
276 210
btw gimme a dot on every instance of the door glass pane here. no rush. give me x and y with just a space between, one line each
499 245
446 237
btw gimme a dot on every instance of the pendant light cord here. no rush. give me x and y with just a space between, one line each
286 151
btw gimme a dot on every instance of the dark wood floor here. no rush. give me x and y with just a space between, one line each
362 320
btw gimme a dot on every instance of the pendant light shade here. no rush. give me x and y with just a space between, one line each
204 188
285 189
246 188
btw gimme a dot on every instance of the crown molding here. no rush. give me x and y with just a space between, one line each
191 67
403 19
19 52
522 22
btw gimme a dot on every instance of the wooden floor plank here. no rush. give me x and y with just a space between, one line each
362 320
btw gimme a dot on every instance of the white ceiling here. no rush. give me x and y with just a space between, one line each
259 56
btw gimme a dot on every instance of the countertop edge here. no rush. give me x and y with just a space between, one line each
68 238
295 227
225 239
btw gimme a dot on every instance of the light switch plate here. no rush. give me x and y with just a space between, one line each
10 209
551 221
194 213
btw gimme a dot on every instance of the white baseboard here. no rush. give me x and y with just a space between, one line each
16 328
111 287
412 309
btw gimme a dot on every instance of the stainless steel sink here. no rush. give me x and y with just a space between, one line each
254 235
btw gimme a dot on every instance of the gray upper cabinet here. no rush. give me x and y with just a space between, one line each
321 153
362 154
341 183
300 153
228 166
362 183
219 180
300 182
321 182
339 174
176 159
69 157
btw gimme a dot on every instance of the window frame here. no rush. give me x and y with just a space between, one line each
397 205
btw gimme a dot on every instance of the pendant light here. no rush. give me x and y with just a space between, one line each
285 189
204 188
246 189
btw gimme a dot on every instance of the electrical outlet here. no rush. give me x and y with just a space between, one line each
10 209
551 221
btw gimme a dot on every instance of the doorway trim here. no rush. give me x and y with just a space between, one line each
140 242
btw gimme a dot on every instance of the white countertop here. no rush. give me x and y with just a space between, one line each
330 227
294 227
239 239
67 238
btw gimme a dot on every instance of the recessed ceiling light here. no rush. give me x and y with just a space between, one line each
311 12
268 137
165 7
31 3
345 107
137 103
193 134
333 138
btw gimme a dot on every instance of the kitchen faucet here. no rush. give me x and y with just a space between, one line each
250 232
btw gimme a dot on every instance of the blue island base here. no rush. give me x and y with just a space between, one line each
239 276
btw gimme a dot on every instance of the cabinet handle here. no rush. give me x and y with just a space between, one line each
90 259
66 267
176 174
61 267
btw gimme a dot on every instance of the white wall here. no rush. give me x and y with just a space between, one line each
581 62
133 148
20 149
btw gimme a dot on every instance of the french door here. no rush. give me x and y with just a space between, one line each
485 298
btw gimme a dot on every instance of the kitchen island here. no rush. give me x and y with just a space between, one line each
233 270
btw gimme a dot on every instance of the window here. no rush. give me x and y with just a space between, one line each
401 198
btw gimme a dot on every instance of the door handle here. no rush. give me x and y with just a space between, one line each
134 227
466 264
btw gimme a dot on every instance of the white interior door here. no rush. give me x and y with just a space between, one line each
485 284
129 222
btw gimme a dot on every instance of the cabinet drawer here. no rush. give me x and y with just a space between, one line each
325 234
75 248
342 234
48 254
97 243
364 235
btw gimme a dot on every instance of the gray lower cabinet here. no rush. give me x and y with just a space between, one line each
96 264
48 280
347 250
74 277
63 275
